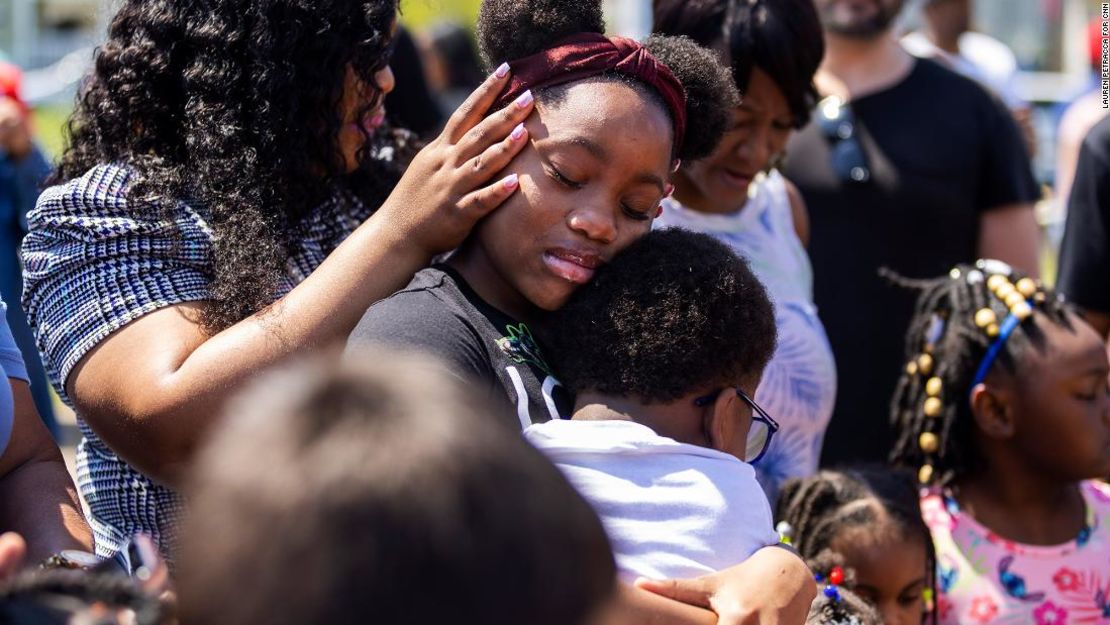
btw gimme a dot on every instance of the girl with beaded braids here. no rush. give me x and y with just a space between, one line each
613 119
222 205
1004 411
868 521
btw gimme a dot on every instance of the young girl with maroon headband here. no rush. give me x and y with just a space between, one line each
613 120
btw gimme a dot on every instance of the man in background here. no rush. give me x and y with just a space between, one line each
907 166
948 39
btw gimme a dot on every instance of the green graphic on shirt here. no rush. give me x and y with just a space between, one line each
521 347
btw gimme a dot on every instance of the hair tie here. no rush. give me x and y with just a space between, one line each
586 55
832 583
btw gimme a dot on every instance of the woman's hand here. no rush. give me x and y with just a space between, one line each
447 188
772 587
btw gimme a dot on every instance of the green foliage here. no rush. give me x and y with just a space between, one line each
419 14
49 127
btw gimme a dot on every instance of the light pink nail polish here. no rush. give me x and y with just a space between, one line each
524 100
518 132
502 70
511 181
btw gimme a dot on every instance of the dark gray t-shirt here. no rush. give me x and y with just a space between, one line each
439 314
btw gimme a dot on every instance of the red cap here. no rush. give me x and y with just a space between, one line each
11 81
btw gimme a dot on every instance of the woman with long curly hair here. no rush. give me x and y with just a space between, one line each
225 202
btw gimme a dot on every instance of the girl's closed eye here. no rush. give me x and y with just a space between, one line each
561 177
1094 388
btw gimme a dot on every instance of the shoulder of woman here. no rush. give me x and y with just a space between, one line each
799 214
99 205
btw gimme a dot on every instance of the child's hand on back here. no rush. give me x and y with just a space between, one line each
772 587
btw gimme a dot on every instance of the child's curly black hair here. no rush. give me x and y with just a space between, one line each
673 314
513 29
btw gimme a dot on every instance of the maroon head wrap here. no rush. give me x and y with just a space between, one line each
586 55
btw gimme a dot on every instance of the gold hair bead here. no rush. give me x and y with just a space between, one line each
925 364
933 407
1022 311
985 317
1027 287
925 475
1005 290
911 368
929 442
996 281
993 330
1014 299
933 387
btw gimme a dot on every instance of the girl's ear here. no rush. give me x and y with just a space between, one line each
992 411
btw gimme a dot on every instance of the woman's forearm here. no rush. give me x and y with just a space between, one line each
640 607
37 497
152 388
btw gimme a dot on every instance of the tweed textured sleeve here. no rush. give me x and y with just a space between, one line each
95 260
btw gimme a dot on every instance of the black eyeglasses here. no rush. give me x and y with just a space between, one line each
760 432
838 123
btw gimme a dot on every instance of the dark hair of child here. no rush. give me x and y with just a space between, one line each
957 319
54 596
382 490
781 37
513 29
674 313
818 508
841 607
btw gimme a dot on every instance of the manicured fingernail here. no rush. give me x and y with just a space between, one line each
502 70
511 182
524 100
518 132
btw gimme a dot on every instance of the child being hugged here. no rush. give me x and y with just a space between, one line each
1004 409
664 350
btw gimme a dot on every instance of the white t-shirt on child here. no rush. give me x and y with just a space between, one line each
671 510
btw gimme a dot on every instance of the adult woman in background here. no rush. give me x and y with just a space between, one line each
737 195
222 205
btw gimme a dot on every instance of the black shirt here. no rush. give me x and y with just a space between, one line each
941 151
1085 255
439 314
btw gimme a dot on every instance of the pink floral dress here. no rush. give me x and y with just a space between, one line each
984 578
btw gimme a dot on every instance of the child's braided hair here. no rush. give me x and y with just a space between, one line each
957 319
844 607
812 511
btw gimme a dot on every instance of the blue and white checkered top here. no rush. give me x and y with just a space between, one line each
94 261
